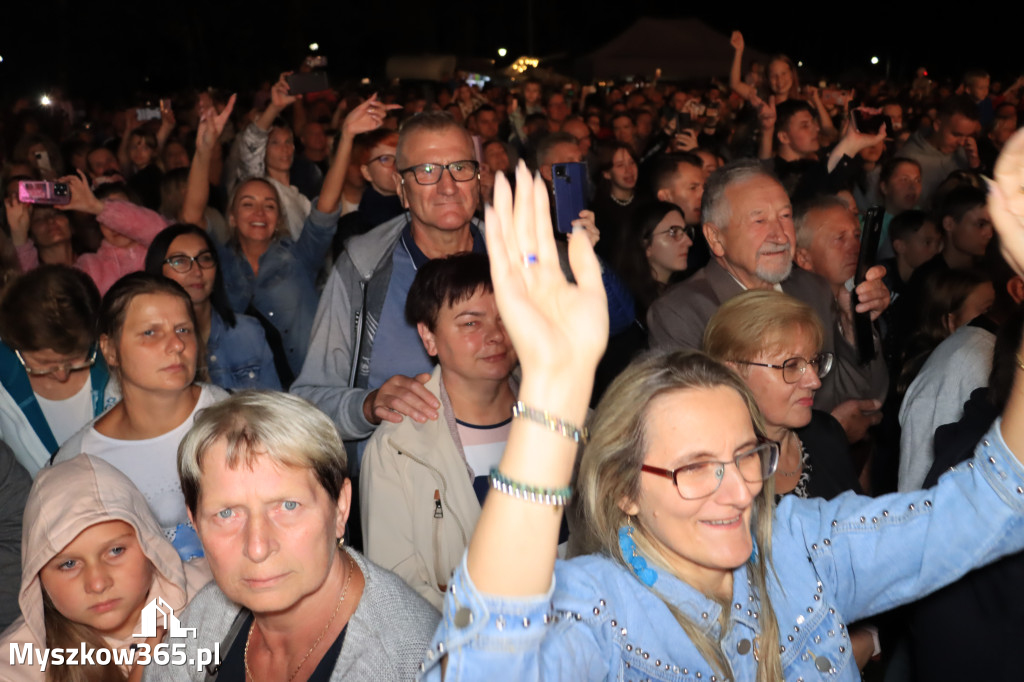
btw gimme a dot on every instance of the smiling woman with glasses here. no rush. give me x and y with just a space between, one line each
237 353
703 579
53 380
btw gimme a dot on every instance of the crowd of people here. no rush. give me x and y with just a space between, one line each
337 371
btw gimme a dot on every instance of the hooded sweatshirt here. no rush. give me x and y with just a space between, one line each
65 500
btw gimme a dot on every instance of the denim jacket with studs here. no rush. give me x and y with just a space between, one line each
839 561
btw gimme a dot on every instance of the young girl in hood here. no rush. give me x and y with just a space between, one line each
93 557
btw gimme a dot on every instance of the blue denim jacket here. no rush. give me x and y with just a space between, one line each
238 357
839 561
284 289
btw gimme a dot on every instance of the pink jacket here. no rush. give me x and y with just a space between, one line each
111 263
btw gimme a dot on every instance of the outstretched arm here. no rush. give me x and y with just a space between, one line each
366 117
1006 204
736 73
197 192
513 547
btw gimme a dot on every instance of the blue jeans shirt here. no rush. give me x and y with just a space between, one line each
284 289
238 357
837 562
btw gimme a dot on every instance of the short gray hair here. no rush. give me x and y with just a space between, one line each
427 121
287 429
714 208
802 220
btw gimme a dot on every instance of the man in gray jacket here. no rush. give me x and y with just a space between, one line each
365 362
748 223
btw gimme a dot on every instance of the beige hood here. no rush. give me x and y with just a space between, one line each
68 498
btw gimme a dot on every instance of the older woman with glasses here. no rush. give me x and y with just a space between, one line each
773 341
53 381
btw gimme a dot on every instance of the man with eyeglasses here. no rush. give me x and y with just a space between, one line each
365 362
748 223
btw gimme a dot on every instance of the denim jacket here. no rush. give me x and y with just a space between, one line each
238 357
836 562
284 289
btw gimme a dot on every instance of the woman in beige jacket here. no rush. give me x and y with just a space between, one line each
422 483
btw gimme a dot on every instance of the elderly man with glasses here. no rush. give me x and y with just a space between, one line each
365 362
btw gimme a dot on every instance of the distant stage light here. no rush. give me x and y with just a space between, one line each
313 47
874 60
502 52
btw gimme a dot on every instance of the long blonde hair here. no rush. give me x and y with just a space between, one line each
63 633
610 472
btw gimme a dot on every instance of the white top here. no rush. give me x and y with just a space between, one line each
67 416
151 464
956 367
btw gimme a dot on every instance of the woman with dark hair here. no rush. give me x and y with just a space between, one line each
237 354
614 205
653 252
147 334
53 380
952 298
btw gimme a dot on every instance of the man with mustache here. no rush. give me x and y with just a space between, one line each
748 223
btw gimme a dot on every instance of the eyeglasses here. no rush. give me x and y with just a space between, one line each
183 263
386 160
65 367
794 368
701 479
430 173
677 232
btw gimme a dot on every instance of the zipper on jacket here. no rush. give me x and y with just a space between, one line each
357 345
438 512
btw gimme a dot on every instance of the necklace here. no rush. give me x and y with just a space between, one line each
344 592
623 202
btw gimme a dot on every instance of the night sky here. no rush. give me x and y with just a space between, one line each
109 49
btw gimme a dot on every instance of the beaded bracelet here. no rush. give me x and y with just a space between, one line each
556 497
522 411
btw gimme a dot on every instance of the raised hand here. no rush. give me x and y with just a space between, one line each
82 198
367 116
19 218
211 125
558 329
766 114
279 94
1006 201
736 40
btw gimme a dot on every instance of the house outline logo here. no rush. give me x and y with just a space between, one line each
158 609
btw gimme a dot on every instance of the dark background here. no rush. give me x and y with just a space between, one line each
106 50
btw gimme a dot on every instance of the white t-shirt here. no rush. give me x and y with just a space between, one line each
151 464
67 416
